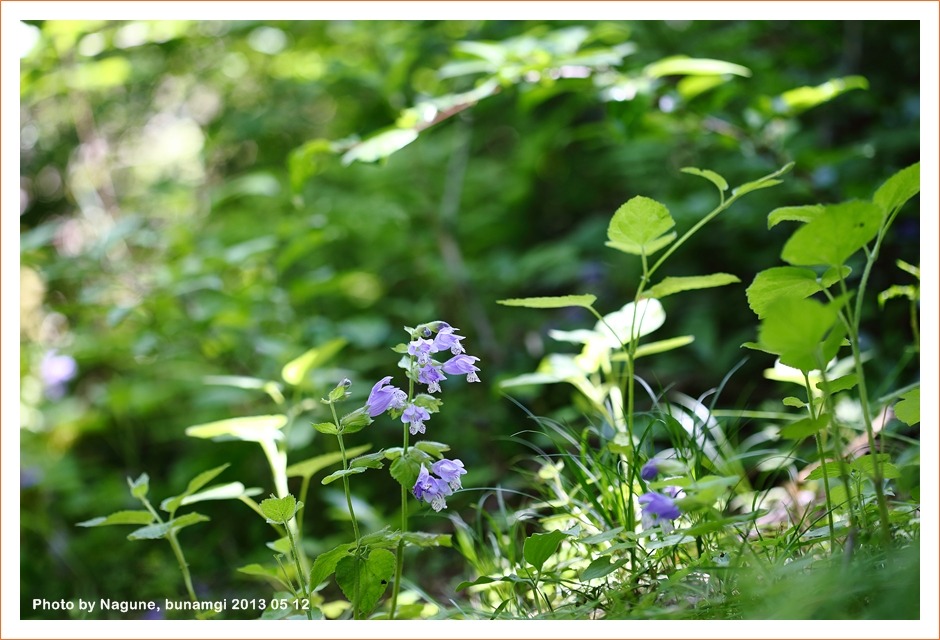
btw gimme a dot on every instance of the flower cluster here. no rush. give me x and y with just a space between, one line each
430 371
427 340
433 489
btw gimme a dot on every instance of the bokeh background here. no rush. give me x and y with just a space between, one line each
185 214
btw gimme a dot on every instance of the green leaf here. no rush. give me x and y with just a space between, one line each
436 449
842 383
370 461
424 539
429 402
295 371
172 504
907 410
140 486
280 510
800 99
229 491
795 329
866 464
381 145
325 564
406 468
651 348
804 427
792 401
831 470
604 536
685 66
355 421
898 189
601 567
779 283
119 517
336 475
832 275
803 213
671 285
748 187
832 237
371 576
554 302
261 571
709 175
326 427
651 247
539 547
310 466
249 429
637 224
162 529
488 580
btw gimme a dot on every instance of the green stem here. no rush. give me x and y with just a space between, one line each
184 568
400 552
301 578
822 461
349 505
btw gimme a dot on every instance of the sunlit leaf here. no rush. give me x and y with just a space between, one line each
907 409
803 213
637 224
898 189
671 285
380 145
800 99
161 530
833 236
251 428
554 302
307 468
684 66
709 175
539 547
779 283
120 517
295 371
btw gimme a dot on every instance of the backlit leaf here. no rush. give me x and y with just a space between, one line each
539 547
778 283
251 428
685 66
671 285
161 530
553 302
638 223
803 213
295 371
898 189
311 466
711 176
907 409
119 517
833 236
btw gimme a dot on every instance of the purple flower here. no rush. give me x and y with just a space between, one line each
431 376
650 470
416 416
462 365
658 507
55 370
449 471
384 397
431 489
446 338
421 349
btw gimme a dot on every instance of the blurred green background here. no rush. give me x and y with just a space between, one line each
183 216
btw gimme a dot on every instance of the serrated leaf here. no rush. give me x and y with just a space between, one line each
803 213
370 461
715 178
280 510
831 469
355 421
197 483
779 283
637 224
406 468
685 66
795 330
539 547
866 464
436 449
140 486
805 427
907 410
249 429
371 575
671 285
161 529
326 427
309 467
651 247
295 371
553 302
832 237
898 189
119 517
336 475
325 564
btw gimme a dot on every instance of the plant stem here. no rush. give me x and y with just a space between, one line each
822 462
184 568
301 578
400 552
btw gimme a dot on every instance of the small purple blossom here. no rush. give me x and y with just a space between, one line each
658 507
462 365
449 471
384 397
431 489
446 338
56 370
421 349
431 376
415 416
650 470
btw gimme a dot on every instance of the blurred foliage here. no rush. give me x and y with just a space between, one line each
189 209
